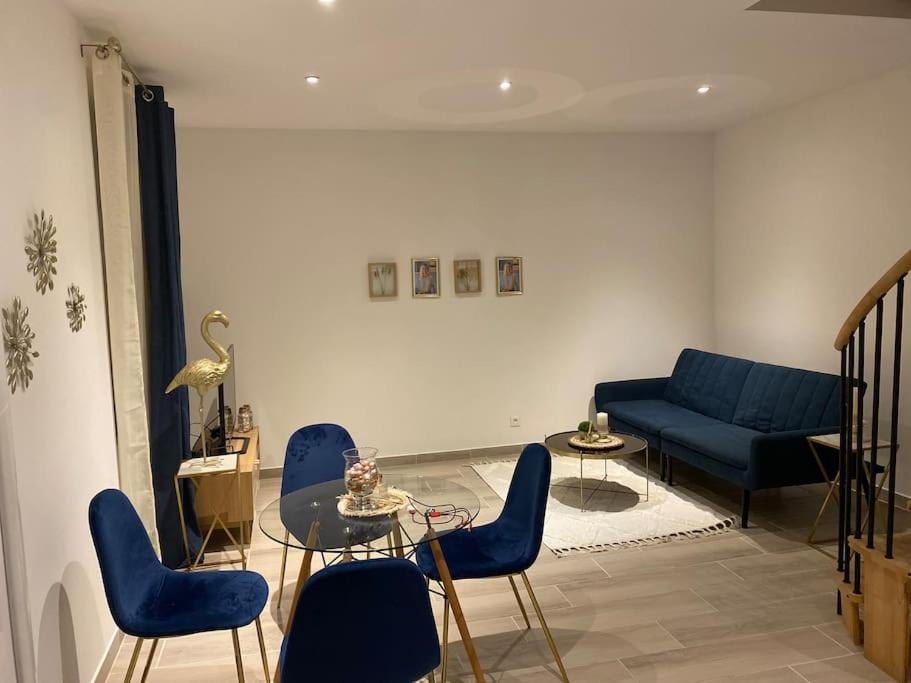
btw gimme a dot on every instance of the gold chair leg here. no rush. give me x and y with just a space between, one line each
237 658
445 640
262 647
515 591
145 672
281 578
133 659
550 638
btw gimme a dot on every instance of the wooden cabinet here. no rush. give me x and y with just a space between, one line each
236 507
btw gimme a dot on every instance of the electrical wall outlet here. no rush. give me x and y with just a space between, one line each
514 421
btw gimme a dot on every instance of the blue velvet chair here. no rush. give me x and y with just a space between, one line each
150 601
506 547
361 621
313 456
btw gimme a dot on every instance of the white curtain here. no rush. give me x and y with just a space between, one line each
116 159
12 558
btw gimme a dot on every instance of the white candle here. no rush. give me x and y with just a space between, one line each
602 422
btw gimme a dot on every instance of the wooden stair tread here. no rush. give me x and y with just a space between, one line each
900 563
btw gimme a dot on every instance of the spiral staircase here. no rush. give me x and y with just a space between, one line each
873 566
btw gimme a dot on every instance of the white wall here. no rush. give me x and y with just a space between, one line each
62 426
813 204
278 226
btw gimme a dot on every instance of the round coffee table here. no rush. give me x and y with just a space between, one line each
558 444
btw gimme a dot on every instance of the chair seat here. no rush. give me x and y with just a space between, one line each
476 554
194 602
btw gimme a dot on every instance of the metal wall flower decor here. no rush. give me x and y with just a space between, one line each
75 307
41 249
17 344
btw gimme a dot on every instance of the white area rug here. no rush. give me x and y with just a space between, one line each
614 516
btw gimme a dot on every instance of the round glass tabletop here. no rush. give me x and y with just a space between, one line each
442 503
558 444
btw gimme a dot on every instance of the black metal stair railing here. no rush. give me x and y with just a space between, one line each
852 523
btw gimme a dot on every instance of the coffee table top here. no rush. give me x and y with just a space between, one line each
558 444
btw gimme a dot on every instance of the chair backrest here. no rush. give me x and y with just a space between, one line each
522 518
314 455
129 566
369 620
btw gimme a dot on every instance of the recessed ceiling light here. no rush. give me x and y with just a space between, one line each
327 3
505 85
703 89
312 79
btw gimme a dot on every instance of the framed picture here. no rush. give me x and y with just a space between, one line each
510 276
382 280
425 277
466 274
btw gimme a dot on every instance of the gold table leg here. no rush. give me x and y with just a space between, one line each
304 573
281 578
453 599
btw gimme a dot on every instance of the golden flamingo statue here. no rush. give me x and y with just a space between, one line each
205 373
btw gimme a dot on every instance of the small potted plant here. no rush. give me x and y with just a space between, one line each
587 431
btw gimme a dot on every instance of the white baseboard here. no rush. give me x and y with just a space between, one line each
107 662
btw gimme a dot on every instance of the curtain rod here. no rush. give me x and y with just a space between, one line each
103 50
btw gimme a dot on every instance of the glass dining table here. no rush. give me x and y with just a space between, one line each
309 519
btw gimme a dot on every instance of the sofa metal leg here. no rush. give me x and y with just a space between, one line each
662 466
669 464
745 509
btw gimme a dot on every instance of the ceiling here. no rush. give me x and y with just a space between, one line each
575 65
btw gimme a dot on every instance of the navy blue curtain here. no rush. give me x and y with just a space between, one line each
169 414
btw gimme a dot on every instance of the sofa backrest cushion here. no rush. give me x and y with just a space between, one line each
780 399
708 383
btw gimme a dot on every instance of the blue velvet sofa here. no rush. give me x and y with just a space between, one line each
743 421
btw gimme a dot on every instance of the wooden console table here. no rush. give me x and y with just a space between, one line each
238 508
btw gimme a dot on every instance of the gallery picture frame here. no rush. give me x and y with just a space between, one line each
466 276
425 277
509 273
379 274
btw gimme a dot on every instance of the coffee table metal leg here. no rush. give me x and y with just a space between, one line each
455 606
581 484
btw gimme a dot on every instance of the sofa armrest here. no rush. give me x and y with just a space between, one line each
774 442
630 390
784 458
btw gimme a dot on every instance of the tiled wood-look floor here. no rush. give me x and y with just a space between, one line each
753 606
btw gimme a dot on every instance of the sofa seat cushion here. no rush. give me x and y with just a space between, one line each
726 443
654 415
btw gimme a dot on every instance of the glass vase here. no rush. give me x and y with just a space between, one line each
361 475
